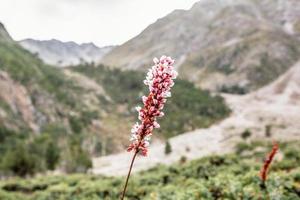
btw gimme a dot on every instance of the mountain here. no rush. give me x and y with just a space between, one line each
4 34
59 117
257 116
55 52
223 45
38 101
43 114
285 90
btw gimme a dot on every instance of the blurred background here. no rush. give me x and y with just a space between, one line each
71 74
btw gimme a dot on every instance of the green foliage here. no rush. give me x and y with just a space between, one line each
235 89
122 86
246 134
23 152
190 107
168 148
76 124
242 147
76 158
23 67
5 133
52 155
22 158
216 177
20 161
268 130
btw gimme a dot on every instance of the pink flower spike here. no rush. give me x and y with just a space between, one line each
159 79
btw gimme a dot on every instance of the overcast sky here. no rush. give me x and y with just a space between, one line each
103 22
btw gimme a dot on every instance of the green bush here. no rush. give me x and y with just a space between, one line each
168 148
76 158
246 134
52 155
235 89
76 124
20 161
268 130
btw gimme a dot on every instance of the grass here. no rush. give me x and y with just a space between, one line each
233 176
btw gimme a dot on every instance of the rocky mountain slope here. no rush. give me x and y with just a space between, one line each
223 45
38 98
271 113
46 116
80 111
55 52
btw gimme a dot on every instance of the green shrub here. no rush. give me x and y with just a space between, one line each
20 161
52 155
168 148
76 124
235 89
268 130
77 159
246 134
214 177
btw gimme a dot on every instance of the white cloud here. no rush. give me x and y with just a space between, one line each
104 22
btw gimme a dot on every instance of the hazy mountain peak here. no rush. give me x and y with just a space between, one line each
56 52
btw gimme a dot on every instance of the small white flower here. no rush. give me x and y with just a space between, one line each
161 114
155 60
166 94
149 76
163 58
135 128
144 98
146 82
133 137
146 143
174 74
156 125
138 108
147 138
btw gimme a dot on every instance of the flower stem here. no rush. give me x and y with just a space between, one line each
128 175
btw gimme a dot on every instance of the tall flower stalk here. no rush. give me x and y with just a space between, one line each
160 80
265 168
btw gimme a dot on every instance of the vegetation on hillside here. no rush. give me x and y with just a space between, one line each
190 108
234 176
66 113
55 103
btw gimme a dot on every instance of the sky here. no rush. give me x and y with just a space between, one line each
104 22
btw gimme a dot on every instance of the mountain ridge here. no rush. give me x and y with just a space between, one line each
4 35
58 53
206 41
